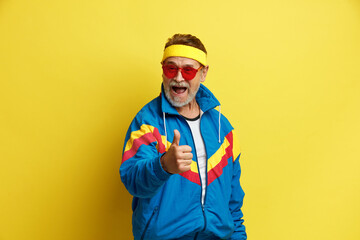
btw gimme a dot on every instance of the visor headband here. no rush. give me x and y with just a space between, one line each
178 50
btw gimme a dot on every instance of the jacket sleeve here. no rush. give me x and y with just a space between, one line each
141 170
237 196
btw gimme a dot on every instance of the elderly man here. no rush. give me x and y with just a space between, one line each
181 159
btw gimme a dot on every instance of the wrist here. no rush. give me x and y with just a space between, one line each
162 162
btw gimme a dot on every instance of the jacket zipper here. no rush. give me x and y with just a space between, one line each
202 205
148 223
206 184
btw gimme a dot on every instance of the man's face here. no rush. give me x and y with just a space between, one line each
179 91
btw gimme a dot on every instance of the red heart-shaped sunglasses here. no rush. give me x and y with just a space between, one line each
188 73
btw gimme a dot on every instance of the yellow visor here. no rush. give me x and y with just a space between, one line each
185 51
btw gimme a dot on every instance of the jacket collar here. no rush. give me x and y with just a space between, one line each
204 98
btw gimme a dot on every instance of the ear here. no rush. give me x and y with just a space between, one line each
204 71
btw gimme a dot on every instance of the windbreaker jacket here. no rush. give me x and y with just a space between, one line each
168 206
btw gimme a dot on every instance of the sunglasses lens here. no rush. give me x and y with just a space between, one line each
188 73
170 71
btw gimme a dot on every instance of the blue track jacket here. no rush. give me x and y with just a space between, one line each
168 206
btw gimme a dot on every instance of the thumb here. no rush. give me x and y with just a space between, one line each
176 140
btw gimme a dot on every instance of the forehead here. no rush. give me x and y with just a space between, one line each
181 61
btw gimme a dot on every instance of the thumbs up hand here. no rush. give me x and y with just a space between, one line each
178 158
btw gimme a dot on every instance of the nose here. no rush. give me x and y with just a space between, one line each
179 77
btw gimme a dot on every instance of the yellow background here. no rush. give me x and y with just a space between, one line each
74 73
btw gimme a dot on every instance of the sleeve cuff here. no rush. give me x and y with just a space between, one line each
159 171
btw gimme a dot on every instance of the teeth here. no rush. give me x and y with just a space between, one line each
179 90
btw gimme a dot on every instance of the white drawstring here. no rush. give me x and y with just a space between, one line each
219 123
165 128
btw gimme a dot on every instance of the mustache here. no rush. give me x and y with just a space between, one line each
179 84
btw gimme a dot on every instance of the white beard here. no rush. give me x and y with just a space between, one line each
176 101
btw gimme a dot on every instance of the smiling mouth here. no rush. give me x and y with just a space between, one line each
179 90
